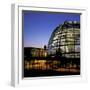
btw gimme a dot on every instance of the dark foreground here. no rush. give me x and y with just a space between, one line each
38 73
37 68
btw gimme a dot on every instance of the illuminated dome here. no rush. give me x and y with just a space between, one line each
66 40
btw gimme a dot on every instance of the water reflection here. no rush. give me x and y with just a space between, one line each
54 65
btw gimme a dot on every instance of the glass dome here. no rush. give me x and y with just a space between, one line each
66 40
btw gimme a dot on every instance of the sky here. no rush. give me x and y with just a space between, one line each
38 26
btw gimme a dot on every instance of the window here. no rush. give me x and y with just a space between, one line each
62 48
71 48
77 48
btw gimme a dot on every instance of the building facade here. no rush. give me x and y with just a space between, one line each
35 52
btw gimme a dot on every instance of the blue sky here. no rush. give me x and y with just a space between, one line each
38 26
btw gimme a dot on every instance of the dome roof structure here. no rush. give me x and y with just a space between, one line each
66 40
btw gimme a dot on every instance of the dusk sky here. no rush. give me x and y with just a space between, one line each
38 26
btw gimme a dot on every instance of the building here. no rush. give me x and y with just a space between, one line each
65 39
35 52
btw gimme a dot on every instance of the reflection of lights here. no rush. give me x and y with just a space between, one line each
53 65
35 64
40 64
27 65
30 66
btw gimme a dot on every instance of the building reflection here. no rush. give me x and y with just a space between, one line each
44 65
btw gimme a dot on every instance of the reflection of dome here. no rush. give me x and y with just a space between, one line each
66 39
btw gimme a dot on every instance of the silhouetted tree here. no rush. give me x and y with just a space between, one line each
27 53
